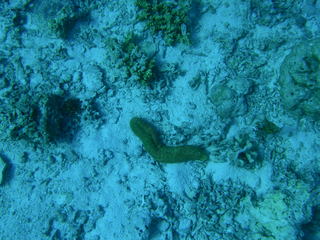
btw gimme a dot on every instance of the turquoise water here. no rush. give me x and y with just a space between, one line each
224 99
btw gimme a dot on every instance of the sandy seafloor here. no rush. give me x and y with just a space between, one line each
101 184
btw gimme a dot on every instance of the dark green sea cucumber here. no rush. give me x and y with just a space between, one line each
160 152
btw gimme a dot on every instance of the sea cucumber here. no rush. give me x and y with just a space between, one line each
160 152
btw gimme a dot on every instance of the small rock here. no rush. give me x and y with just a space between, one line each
3 166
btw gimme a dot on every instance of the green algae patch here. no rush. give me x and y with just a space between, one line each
160 152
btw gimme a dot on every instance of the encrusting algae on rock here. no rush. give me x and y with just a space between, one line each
160 152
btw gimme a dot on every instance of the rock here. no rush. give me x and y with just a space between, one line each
3 166
227 102
299 79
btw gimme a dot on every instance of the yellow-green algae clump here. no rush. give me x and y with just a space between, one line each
160 152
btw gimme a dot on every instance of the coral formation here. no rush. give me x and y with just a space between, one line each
138 64
300 79
168 18
63 22
61 117
270 13
227 102
60 17
272 215
248 154
159 151
244 150
217 208
38 118
19 115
